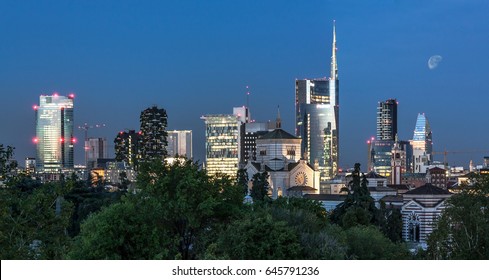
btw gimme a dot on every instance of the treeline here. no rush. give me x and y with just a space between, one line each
178 212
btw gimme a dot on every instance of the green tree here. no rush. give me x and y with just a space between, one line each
368 243
7 164
125 230
259 189
182 200
242 180
462 232
33 220
256 236
358 207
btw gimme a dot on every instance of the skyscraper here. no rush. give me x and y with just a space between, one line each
126 145
180 143
222 145
317 118
95 148
153 133
422 145
387 120
54 133
381 147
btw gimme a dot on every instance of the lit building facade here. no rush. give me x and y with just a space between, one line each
180 143
222 145
422 145
278 155
317 119
401 160
54 133
387 120
252 132
153 133
30 165
126 145
381 155
95 148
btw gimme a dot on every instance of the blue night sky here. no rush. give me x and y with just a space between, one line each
196 57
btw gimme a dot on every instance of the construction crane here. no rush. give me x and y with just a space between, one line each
86 127
445 153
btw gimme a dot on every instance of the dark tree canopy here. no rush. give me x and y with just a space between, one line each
462 232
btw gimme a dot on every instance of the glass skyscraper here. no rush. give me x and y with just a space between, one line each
54 133
387 120
317 119
222 145
381 148
180 143
422 145
95 148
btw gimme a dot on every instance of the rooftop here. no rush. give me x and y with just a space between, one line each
278 134
428 189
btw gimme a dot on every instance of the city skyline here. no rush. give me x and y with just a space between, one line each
129 57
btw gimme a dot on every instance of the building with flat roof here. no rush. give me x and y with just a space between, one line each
222 145
180 143
54 133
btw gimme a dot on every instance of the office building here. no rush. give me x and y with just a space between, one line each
153 134
380 157
422 145
317 123
180 143
95 148
54 133
222 145
387 120
252 131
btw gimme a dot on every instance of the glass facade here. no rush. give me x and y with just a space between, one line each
317 113
54 133
222 144
95 148
180 143
381 154
422 145
387 120
317 119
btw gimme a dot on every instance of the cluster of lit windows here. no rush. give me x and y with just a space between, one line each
222 141
54 133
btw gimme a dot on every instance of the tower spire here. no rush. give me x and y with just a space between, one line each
334 65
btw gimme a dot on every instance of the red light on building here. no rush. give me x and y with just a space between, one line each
71 95
35 140
61 139
55 94
73 140
34 107
140 132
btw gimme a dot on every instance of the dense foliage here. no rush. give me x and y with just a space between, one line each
463 230
178 212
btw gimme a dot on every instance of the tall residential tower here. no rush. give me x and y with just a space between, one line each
54 133
317 118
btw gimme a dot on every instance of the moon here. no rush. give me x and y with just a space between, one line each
434 61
